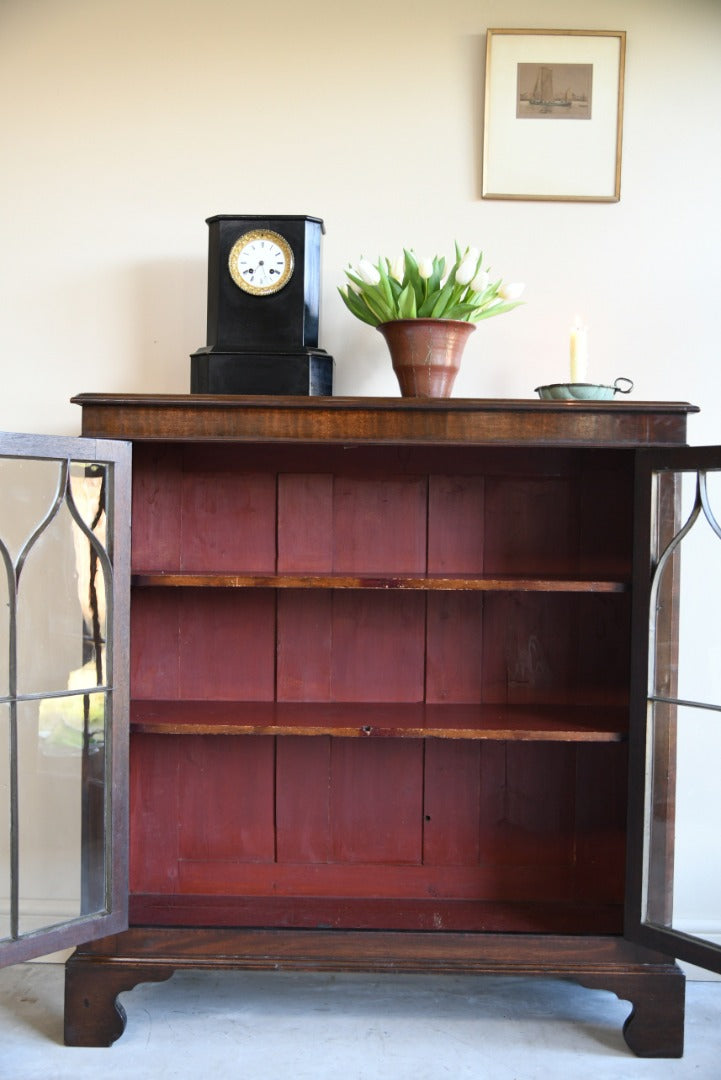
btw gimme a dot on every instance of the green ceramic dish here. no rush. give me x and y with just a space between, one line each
583 391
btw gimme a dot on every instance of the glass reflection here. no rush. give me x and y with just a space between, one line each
6 600
4 823
697 877
60 840
28 490
61 602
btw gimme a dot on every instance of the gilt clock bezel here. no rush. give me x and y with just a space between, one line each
249 237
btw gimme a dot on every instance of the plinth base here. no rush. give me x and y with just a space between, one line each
308 373
97 973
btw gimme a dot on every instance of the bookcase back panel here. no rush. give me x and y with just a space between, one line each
367 510
189 643
556 647
453 825
355 646
379 645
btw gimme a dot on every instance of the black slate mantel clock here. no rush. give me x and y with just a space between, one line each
263 308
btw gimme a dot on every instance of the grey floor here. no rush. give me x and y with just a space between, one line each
350 1027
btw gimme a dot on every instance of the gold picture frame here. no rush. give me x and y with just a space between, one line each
553 115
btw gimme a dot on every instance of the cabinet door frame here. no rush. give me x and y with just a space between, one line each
649 526
84 928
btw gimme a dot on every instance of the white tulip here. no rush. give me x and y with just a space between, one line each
398 268
367 272
480 281
425 267
466 271
512 291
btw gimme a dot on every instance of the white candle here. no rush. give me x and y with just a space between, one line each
579 351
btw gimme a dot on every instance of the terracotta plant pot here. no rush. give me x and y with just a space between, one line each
426 354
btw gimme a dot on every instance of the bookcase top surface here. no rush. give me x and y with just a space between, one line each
343 420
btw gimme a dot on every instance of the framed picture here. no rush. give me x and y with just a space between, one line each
553 116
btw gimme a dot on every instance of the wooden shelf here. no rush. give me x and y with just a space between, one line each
382 421
530 723
410 582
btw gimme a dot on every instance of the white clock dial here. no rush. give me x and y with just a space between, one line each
261 262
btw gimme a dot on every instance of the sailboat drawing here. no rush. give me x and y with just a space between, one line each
554 90
543 90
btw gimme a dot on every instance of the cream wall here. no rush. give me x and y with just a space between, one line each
125 123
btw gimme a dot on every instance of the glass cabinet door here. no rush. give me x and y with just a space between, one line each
64 588
674 865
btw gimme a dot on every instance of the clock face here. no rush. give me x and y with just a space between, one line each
261 262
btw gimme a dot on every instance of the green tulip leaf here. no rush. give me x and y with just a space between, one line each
407 303
356 306
497 309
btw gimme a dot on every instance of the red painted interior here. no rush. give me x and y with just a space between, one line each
398 832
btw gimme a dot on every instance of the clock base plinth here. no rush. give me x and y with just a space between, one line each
308 373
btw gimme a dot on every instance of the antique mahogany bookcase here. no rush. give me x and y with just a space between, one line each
385 663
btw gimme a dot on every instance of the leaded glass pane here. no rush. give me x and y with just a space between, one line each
56 603
682 880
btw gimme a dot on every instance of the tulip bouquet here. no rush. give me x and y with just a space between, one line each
413 288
